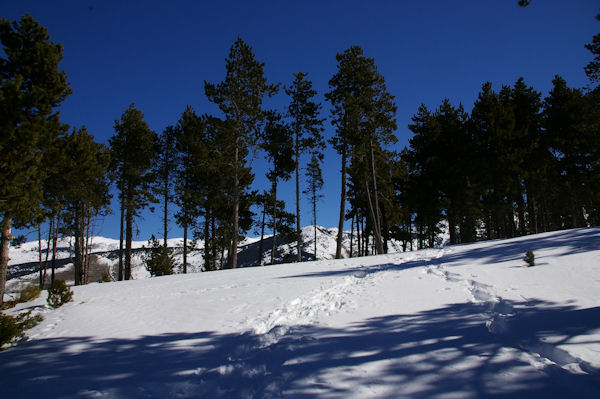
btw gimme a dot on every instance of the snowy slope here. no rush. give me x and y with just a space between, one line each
455 322
24 259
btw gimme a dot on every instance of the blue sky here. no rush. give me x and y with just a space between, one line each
159 53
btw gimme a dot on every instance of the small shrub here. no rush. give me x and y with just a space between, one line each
159 259
28 293
59 293
12 328
105 278
18 241
529 258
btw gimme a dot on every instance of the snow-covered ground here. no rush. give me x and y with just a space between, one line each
467 321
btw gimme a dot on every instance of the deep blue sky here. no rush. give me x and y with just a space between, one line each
159 53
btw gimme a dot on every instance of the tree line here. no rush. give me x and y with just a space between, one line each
515 165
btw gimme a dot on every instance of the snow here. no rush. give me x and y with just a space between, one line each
465 321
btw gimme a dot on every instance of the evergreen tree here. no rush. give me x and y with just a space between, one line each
363 113
191 149
492 123
164 170
31 88
569 119
159 259
306 127
422 159
532 156
132 149
263 200
592 69
240 98
277 143
86 193
314 179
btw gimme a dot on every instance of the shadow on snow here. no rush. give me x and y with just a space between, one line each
568 242
443 352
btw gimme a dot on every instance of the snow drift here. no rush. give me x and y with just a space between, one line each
454 322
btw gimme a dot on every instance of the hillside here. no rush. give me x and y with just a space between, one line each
24 259
464 321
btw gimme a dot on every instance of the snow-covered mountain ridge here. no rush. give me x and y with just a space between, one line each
464 321
24 259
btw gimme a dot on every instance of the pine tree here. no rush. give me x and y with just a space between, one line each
306 127
279 148
532 154
191 149
592 69
240 98
314 179
164 170
132 149
86 192
423 196
492 124
572 131
363 113
31 88
263 200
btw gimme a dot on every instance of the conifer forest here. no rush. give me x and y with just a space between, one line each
518 163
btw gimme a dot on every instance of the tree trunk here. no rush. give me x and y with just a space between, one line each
375 227
298 231
451 228
120 276
166 210
44 265
377 212
128 241
315 219
262 235
4 248
236 208
340 236
54 240
351 235
213 243
88 247
78 263
274 247
185 246
207 262
358 234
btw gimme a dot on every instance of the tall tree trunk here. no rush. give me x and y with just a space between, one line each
340 236
44 265
377 211
128 241
274 248
120 276
298 231
4 248
78 263
358 247
185 246
54 240
374 226
410 232
213 243
262 235
351 235
207 261
236 208
451 228
88 247
314 204
166 210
